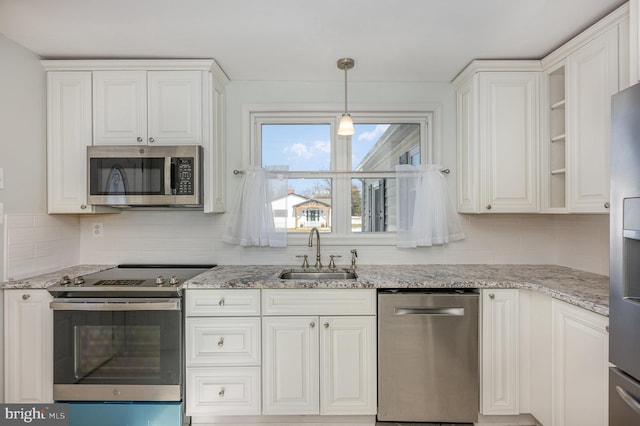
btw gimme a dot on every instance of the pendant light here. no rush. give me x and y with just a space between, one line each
345 128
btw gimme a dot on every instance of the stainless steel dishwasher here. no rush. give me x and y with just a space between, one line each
428 356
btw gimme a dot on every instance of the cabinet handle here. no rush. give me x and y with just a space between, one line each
26 296
221 302
152 140
607 205
312 324
221 342
221 393
83 206
139 139
492 296
326 325
488 206
606 328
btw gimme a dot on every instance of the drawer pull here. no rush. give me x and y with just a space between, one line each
221 393
26 296
221 302
326 325
312 324
221 342
492 296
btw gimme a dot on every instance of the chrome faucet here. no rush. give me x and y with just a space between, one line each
318 261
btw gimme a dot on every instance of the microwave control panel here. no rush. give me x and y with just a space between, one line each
184 176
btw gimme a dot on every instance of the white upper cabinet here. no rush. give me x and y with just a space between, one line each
68 135
592 77
498 137
131 102
154 107
581 77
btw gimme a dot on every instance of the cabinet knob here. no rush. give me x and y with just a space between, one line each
83 206
312 324
152 140
221 302
26 296
221 342
607 328
488 207
607 205
221 393
326 325
492 296
139 139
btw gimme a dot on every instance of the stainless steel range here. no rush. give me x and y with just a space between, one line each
118 334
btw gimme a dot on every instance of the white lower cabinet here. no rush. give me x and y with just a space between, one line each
312 352
28 346
222 352
499 370
580 384
319 364
545 357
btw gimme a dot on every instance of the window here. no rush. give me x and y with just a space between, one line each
344 186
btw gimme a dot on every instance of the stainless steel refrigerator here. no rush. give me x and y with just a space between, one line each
624 293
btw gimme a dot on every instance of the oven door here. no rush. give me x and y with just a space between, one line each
117 349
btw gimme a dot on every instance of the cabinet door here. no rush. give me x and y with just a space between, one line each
68 135
579 366
348 365
290 365
468 148
509 122
28 343
500 355
119 107
175 107
592 79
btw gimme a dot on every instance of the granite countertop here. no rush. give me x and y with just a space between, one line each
46 280
584 289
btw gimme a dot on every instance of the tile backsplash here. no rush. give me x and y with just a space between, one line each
39 243
42 243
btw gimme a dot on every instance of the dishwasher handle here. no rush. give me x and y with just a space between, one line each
449 312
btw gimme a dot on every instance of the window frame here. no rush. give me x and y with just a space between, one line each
340 173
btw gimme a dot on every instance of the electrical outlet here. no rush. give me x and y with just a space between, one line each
98 230
1 178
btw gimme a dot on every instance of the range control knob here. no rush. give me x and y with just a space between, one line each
160 280
174 280
65 280
78 280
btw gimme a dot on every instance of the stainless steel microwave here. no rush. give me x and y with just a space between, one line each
150 176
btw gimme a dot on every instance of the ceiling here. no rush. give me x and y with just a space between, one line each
390 40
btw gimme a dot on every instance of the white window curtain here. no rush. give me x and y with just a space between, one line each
426 216
251 221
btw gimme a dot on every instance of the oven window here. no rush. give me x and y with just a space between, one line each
117 352
117 347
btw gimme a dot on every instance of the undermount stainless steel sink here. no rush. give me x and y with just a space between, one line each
314 274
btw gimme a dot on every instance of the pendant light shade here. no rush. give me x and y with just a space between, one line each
345 128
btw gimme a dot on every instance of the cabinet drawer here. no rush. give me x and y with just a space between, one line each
203 303
223 391
222 341
319 302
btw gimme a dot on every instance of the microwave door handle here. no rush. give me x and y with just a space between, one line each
170 176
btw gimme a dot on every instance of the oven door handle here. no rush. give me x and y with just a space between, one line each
115 305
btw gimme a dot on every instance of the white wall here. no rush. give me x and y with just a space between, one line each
22 131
